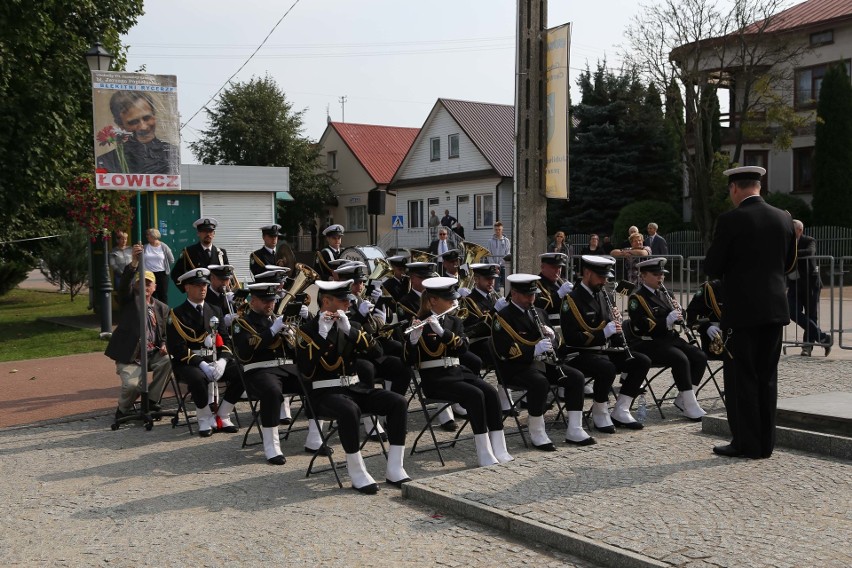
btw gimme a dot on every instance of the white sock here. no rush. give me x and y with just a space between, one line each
445 416
600 414
538 432
285 408
314 439
574 431
271 442
621 412
498 446
224 412
691 408
505 401
484 453
205 418
358 471
395 471
459 409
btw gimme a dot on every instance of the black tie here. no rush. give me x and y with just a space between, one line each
209 254
200 309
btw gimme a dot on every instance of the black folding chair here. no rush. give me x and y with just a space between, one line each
439 405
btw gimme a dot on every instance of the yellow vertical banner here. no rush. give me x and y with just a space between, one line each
556 79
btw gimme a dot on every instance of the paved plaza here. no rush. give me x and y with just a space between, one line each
78 494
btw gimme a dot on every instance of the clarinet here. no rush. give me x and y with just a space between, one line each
610 303
690 336
550 355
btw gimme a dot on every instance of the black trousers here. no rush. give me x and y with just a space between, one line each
385 368
269 386
196 381
536 379
162 291
602 368
478 398
751 388
687 362
345 404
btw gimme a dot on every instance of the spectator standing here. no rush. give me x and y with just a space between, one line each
433 224
159 259
607 246
500 247
803 289
558 244
659 246
630 231
459 230
632 256
448 220
120 256
594 246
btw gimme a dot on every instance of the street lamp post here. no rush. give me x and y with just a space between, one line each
99 59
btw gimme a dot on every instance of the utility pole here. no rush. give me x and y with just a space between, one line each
529 229
342 100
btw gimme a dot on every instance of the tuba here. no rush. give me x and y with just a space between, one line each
422 256
381 270
473 253
305 276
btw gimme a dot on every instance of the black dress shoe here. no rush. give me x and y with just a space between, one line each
587 442
376 437
229 429
285 421
628 425
154 407
277 460
397 483
605 429
323 451
450 426
370 489
728 451
205 433
545 447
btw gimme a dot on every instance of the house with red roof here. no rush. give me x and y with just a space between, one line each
822 31
461 162
363 158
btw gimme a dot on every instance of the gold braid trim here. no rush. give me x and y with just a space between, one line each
188 260
652 323
182 330
548 300
258 260
579 317
513 334
473 307
714 304
321 258
437 353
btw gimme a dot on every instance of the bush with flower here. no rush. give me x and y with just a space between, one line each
98 211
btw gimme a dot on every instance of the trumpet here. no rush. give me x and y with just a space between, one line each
426 321
676 306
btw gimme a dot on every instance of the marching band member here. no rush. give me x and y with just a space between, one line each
434 349
653 316
217 294
326 349
262 258
201 254
398 284
198 355
334 239
519 331
551 287
268 368
589 325
450 265
704 313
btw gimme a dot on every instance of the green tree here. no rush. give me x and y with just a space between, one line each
832 200
640 213
66 261
45 103
253 124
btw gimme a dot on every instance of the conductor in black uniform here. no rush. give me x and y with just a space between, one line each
752 251
263 257
334 239
200 354
203 253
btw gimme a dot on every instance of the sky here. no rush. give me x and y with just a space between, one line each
391 59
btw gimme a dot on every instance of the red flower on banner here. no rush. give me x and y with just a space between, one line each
110 135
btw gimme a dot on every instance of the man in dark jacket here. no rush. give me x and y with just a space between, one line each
753 249
202 254
803 289
123 346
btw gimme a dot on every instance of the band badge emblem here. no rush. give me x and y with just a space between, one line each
634 304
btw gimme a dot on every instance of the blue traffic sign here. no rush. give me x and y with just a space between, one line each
397 222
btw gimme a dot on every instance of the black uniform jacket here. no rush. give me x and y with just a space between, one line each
583 319
186 332
752 250
408 306
705 309
255 342
515 334
430 346
325 256
648 314
548 297
194 256
396 287
480 308
259 259
124 343
323 359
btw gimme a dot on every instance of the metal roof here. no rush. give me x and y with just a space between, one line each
806 14
491 127
205 177
380 149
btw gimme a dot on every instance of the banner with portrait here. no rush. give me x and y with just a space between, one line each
556 89
137 131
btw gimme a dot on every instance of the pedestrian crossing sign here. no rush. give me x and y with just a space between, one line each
397 222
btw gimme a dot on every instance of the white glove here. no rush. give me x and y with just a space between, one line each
500 304
228 320
343 322
543 346
673 317
435 325
414 336
365 308
549 333
229 296
208 370
464 292
713 331
381 316
325 326
304 313
610 329
375 295
219 367
565 289
277 325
